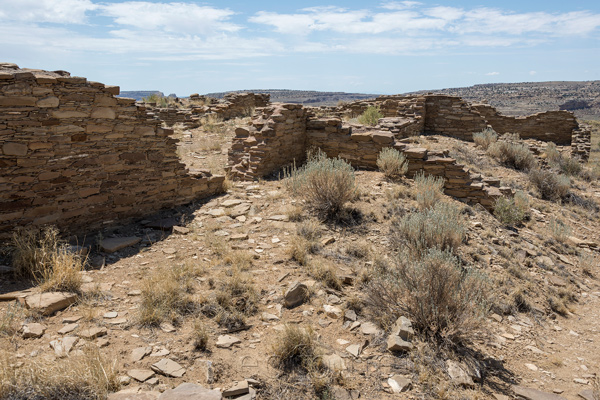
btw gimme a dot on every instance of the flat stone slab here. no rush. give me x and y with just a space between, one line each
33 330
63 346
139 353
92 333
68 329
190 391
50 302
115 244
140 375
169 368
226 341
532 394
238 389
129 394
295 295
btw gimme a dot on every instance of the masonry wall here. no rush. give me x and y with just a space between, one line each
276 137
74 155
554 126
451 116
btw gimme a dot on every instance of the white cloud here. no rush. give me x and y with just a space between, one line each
493 73
532 73
171 17
39 11
400 5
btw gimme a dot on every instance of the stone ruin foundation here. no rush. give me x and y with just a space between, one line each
74 155
280 135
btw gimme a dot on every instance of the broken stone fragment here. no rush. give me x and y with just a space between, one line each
33 330
188 391
238 389
226 341
295 295
140 375
395 343
50 302
399 383
112 245
168 368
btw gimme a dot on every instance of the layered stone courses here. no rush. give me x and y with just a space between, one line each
74 155
280 134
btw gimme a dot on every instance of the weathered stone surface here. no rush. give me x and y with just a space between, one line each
458 375
68 328
140 375
129 394
399 383
115 244
403 328
14 149
395 343
33 330
50 302
238 389
295 295
334 362
226 341
47 102
369 328
92 333
533 394
63 346
190 391
139 353
333 311
169 368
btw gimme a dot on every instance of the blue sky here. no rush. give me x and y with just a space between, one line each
387 47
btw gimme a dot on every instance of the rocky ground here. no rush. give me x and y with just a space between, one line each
236 253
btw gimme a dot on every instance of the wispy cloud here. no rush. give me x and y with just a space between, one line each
61 12
493 73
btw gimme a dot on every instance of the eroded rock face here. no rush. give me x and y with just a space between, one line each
295 295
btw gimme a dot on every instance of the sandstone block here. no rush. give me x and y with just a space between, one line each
47 102
103 112
50 302
14 149
14 101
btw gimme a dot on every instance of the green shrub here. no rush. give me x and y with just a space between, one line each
326 184
370 116
392 163
512 210
485 138
444 301
429 189
512 152
440 227
550 185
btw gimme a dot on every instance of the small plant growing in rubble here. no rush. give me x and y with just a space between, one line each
370 116
485 138
512 152
512 210
392 163
326 184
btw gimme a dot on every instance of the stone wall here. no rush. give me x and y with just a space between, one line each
74 155
262 148
451 116
276 137
549 126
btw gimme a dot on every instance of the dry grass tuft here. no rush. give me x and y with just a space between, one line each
296 348
81 377
9 320
200 335
166 295
42 256
326 273
559 229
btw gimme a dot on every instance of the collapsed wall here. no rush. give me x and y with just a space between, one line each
233 105
74 155
262 148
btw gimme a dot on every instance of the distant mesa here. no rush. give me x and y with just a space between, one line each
572 105
140 94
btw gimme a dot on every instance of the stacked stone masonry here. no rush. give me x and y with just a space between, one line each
74 155
233 105
269 143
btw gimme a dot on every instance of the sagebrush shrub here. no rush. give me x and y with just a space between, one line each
550 185
429 189
485 138
559 229
512 210
326 184
512 152
392 163
440 227
444 301
370 116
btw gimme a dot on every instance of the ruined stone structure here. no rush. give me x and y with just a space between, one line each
233 105
283 133
280 134
74 155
